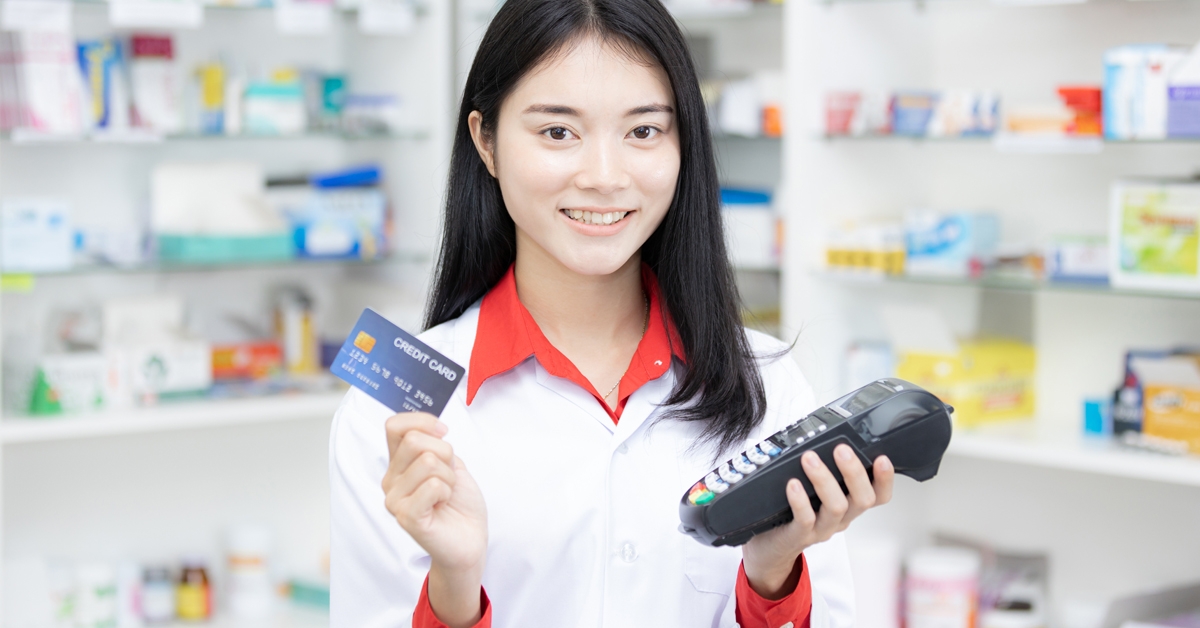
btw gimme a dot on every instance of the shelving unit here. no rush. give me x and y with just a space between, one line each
1044 488
1001 283
1093 456
172 416
156 482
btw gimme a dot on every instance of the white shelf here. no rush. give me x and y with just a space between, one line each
1099 456
171 416
291 617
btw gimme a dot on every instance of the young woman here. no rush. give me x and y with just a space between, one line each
584 284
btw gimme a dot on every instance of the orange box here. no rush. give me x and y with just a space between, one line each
248 360
1172 412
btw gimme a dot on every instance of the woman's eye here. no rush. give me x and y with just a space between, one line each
644 132
557 133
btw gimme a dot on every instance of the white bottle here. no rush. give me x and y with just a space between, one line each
250 591
942 587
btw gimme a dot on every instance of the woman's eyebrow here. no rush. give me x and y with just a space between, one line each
644 109
556 110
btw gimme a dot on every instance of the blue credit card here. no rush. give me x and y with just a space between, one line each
395 368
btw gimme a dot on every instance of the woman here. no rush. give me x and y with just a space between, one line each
584 284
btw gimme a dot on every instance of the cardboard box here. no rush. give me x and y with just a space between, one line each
1155 235
986 381
1171 398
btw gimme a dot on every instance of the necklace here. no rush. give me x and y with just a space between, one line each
645 326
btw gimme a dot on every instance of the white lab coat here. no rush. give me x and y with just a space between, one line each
582 513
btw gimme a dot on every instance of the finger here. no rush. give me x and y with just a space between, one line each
424 467
400 424
416 443
862 494
419 505
833 501
802 510
885 475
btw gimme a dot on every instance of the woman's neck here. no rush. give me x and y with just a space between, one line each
587 317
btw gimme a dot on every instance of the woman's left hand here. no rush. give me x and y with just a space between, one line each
770 557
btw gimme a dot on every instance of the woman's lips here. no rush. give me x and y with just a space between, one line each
610 222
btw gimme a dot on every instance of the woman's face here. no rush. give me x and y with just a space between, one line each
586 151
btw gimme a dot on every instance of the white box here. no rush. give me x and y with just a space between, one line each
35 236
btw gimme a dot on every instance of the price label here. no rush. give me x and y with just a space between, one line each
386 17
174 14
303 17
37 16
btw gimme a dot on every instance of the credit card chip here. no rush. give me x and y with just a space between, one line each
364 341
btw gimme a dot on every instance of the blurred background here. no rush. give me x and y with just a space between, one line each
997 200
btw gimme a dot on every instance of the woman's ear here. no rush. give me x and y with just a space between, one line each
482 144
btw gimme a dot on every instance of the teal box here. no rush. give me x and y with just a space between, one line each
207 249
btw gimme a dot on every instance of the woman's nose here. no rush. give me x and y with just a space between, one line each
602 168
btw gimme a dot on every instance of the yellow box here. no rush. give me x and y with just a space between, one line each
1172 412
986 381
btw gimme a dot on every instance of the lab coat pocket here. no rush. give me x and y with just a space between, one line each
711 569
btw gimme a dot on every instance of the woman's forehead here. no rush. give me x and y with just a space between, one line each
593 74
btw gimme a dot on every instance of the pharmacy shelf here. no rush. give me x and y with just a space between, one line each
290 617
27 137
1099 456
160 267
1001 283
1009 143
171 416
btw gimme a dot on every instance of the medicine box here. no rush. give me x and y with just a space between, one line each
35 236
1183 98
949 243
1154 233
1171 397
751 228
988 380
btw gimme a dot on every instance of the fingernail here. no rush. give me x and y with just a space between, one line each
810 460
886 464
842 453
793 485
441 428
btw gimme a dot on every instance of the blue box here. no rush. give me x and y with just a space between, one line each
947 243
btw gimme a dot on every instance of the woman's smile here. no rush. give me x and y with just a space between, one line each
597 221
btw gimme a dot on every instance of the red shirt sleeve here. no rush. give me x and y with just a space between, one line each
423 616
755 611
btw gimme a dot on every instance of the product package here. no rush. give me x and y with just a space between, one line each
1135 90
102 63
912 112
210 213
247 360
1077 259
954 244
986 381
1183 98
1155 235
1171 397
41 88
872 247
751 228
157 91
35 235
275 109
70 383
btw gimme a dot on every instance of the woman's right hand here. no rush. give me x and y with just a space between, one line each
437 502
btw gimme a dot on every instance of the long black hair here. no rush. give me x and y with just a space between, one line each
720 384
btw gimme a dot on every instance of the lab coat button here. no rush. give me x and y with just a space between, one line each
623 449
629 553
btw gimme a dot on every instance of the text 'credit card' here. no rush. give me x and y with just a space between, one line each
395 368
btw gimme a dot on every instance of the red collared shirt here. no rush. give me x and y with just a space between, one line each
507 335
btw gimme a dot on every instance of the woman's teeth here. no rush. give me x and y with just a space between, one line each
595 218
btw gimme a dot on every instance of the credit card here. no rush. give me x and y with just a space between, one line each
395 368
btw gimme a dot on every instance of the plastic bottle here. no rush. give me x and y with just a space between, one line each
193 596
249 578
158 595
942 588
